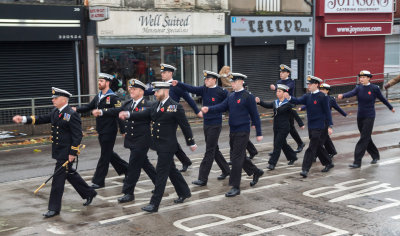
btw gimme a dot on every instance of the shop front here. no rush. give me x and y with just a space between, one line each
134 44
260 44
39 48
350 37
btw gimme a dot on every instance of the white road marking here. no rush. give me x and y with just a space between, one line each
396 217
337 232
386 206
188 203
9 229
171 196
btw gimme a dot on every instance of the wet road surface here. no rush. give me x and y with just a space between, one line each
344 201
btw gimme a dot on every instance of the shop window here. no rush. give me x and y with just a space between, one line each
392 50
207 59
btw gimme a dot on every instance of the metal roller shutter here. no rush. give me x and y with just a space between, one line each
30 69
261 65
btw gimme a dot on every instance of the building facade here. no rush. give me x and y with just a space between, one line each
349 37
140 35
269 33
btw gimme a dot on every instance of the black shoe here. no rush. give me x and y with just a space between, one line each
97 186
150 208
256 176
271 167
327 168
314 159
304 173
331 155
90 199
300 147
152 191
354 166
233 192
126 198
185 167
270 153
291 162
230 163
199 182
181 199
49 214
374 161
222 176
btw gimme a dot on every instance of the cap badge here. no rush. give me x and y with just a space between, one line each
205 73
162 67
282 67
53 91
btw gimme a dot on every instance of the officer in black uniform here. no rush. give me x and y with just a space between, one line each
107 128
165 116
284 79
282 113
137 138
66 133
176 93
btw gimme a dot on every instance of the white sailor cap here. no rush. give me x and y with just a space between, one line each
236 76
60 92
365 73
325 86
134 83
160 85
285 68
283 87
166 67
313 79
210 74
106 76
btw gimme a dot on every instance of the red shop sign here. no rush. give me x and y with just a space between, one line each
357 29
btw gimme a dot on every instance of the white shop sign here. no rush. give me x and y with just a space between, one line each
128 23
358 6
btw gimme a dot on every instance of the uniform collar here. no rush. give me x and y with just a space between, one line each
138 101
163 101
169 81
62 108
101 95
316 91
239 90
367 84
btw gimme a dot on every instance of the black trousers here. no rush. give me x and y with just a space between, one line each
280 143
166 168
57 186
365 126
293 132
138 160
330 148
211 134
251 149
238 142
182 157
108 156
315 148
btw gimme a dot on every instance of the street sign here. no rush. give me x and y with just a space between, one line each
98 13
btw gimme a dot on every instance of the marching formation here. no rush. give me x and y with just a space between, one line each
153 125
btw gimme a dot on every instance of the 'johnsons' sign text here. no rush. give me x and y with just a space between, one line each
358 6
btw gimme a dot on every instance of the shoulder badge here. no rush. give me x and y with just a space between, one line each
118 104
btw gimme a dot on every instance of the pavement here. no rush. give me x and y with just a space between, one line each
343 201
